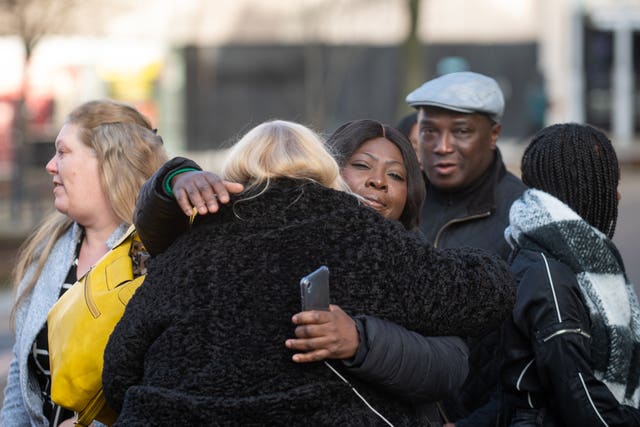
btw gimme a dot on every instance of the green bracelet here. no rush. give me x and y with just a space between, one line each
167 180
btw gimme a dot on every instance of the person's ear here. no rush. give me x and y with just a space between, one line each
495 133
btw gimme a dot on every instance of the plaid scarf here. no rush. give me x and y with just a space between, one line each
542 223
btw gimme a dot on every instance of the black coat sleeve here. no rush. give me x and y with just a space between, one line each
158 217
460 292
421 369
463 292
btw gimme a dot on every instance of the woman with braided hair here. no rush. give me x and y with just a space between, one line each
572 346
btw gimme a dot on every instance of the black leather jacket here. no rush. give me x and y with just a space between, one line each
548 363
418 368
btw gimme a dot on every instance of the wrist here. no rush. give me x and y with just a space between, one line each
166 184
361 350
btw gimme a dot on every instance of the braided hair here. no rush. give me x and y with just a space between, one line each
578 165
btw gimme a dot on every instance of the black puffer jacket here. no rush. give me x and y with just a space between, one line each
417 368
201 342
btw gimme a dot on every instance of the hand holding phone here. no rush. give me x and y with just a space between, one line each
314 290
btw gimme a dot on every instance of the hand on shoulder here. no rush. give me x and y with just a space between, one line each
202 190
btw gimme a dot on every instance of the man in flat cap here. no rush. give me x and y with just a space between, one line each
469 194
469 190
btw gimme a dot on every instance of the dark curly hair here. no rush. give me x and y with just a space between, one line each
351 135
577 164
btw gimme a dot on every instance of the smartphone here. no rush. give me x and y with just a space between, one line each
314 290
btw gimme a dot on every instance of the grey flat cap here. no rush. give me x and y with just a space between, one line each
465 92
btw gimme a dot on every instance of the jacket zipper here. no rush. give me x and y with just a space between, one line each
567 331
457 220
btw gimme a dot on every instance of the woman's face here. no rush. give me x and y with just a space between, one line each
76 182
376 171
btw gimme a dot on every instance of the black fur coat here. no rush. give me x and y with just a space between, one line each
202 341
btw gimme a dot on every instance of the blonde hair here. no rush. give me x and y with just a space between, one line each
128 150
282 149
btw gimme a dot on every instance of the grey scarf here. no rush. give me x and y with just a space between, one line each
542 223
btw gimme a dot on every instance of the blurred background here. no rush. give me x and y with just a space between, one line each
205 71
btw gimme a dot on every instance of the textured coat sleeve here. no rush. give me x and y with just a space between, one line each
421 369
158 217
145 318
13 410
463 292
559 329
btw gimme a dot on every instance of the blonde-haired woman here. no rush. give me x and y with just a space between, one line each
104 152
279 149
200 342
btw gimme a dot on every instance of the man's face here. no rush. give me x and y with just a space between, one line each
455 148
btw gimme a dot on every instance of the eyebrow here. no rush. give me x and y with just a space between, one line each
376 158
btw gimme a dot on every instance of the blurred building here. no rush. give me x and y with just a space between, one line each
205 71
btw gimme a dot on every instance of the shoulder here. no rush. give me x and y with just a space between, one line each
344 219
543 280
308 211
325 201
508 189
62 253
529 263
510 186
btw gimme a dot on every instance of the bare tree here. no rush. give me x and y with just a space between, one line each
322 77
413 56
322 90
30 20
